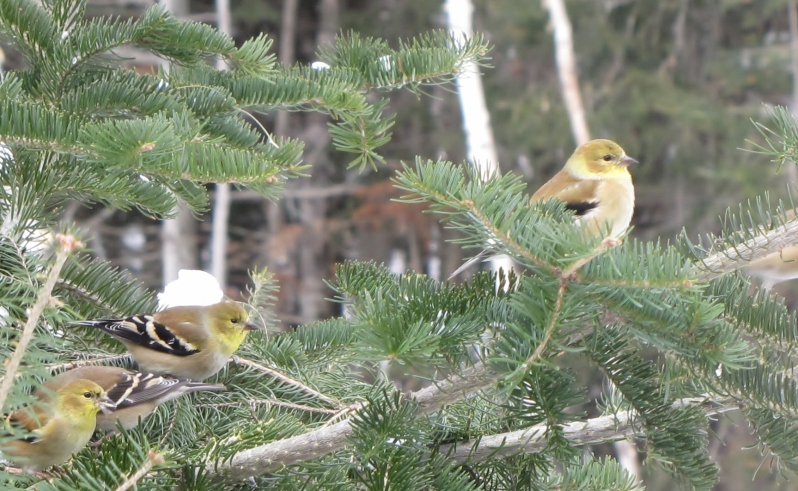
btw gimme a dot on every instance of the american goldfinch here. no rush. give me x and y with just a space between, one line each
192 342
776 267
595 183
59 426
135 395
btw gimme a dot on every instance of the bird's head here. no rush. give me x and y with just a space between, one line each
230 321
82 399
599 159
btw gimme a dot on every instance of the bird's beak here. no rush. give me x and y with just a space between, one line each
251 327
626 161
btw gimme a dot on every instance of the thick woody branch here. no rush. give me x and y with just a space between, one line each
530 440
732 259
301 448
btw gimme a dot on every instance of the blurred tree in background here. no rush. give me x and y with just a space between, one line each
676 82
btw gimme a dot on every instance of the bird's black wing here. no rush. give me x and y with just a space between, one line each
145 331
581 208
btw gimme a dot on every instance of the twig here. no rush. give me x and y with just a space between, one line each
603 246
344 412
152 459
274 402
67 243
88 361
288 380
301 448
533 439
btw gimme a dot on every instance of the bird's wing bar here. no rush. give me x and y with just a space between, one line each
138 388
145 331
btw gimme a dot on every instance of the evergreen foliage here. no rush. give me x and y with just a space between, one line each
675 338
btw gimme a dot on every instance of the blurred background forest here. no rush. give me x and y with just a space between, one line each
675 82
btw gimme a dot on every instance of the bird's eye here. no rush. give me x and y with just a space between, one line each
88 395
607 158
234 320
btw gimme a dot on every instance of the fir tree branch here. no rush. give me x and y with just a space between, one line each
534 439
152 459
302 448
89 360
503 236
287 380
67 244
555 316
272 402
734 258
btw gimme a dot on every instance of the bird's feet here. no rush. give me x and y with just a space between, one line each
611 242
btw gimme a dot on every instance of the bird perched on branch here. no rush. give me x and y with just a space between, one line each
192 342
59 426
135 395
596 184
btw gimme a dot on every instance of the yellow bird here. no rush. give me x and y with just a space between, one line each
596 184
59 426
192 342
135 395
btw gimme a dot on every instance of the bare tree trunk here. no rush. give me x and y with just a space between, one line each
279 263
221 202
311 266
480 146
178 235
792 14
285 53
566 69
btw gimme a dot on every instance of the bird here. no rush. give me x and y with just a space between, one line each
135 395
776 267
59 426
596 185
186 342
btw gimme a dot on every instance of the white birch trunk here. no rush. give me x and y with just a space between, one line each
566 69
221 203
480 146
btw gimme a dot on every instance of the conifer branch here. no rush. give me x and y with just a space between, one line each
302 448
287 380
602 429
89 360
152 459
504 238
549 332
67 244
736 257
